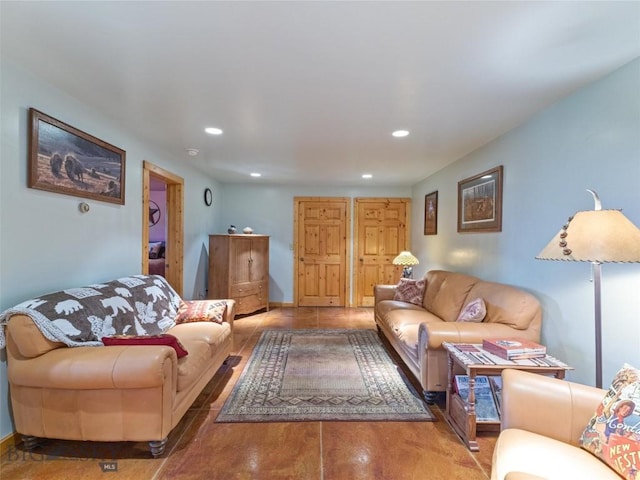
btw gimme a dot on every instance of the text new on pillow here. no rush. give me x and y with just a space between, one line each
613 433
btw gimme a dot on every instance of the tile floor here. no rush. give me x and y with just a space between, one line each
198 448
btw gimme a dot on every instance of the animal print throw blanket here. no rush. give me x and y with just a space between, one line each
135 305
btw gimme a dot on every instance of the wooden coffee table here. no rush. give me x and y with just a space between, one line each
461 414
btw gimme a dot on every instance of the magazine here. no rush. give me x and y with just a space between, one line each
486 410
496 386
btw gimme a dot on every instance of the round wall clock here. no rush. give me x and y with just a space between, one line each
208 197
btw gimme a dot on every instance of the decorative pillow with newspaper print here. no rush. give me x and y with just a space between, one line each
613 433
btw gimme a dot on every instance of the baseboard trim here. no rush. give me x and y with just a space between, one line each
8 442
280 305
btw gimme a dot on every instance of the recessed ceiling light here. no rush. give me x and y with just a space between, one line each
213 131
400 133
367 175
255 174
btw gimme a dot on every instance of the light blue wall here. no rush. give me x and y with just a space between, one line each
45 242
589 140
269 211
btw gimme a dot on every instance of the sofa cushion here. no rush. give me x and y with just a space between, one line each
214 334
385 306
474 311
613 433
506 304
447 292
191 367
522 451
410 291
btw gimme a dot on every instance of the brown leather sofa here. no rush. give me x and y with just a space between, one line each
417 332
115 393
542 421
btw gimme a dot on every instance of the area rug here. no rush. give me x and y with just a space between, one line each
327 375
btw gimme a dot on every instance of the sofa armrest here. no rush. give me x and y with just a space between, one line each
91 368
383 292
230 313
432 334
547 406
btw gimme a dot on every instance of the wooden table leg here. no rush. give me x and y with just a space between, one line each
471 415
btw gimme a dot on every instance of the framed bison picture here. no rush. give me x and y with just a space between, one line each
66 160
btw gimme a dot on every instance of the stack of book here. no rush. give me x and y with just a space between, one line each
514 348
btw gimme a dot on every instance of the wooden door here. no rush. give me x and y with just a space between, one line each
382 232
321 253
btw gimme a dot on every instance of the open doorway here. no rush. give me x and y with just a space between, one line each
157 225
161 186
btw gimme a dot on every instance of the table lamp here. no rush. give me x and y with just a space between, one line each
596 236
407 260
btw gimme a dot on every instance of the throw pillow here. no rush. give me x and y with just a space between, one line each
613 433
162 339
154 250
474 311
410 291
201 311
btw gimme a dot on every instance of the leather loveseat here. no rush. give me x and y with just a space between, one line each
110 393
542 421
417 332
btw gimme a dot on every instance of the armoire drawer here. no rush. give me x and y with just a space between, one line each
244 289
251 303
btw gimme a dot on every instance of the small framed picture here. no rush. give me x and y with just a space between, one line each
480 202
431 213
63 159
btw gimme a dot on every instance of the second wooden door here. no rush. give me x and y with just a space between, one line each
382 232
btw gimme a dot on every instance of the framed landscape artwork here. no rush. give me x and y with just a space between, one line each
66 160
431 213
480 202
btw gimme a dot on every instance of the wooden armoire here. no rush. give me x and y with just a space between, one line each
239 269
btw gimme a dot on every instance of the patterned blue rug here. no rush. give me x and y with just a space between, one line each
327 375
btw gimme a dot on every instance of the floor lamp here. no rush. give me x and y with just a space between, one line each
407 260
596 236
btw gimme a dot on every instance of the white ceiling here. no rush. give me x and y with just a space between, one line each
309 92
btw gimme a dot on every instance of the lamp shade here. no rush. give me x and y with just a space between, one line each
405 259
601 236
